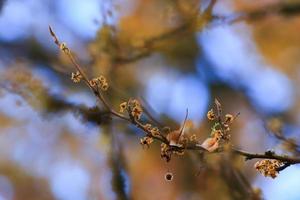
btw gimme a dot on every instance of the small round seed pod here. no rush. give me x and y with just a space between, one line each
169 176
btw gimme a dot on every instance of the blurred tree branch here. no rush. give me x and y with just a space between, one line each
55 104
188 27
275 126
30 49
284 9
118 165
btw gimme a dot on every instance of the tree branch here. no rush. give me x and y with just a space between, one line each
179 147
267 155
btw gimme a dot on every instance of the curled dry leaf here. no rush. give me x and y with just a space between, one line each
210 144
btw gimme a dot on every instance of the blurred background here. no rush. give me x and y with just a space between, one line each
174 54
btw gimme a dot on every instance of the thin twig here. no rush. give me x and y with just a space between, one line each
96 92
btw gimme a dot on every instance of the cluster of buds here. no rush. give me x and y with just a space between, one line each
153 131
228 120
211 115
64 48
76 77
135 109
99 82
220 130
193 138
220 124
166 151
268 167
123 107
146 141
